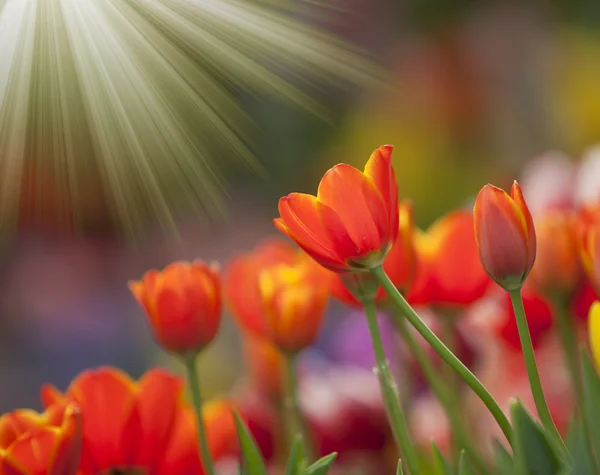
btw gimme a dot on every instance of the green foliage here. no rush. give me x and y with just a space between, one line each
464 465
591 395
442 467
503 461
253 463
534 453
296 463
321 466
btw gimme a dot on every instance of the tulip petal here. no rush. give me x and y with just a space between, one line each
160 396
359 205
316 228
181 454
107 398
380 170
33 453
517 195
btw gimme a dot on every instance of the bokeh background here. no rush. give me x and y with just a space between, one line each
472 91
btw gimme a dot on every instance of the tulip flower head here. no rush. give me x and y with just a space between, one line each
183 305
505 235
41 444
353 221
294 300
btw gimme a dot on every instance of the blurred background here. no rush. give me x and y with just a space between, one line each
467 91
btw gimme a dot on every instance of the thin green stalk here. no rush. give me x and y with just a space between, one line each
445 353
194 383
532 371
569 342
294 416
390 394
437 386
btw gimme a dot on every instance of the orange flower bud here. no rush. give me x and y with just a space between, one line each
294 300
448 268
399 264
183 304
353 221
41 444
557 267
505 235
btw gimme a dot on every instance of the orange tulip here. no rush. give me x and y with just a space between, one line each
183 304
41 444
127 425
505 235
448 267
241 283
557 267
294 300
353 221
399 264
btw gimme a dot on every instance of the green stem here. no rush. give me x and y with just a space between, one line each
569 343
194 383
532 371
445 353
294 416
437 386
390 393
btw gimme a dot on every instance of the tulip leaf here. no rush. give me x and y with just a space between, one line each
464 465
580 449
321 466
252 461
439 462
296 463
591 395
534 453
503 461
399 469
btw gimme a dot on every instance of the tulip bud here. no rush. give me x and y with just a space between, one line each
183 305
505 235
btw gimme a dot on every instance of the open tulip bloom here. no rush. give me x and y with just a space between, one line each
357 242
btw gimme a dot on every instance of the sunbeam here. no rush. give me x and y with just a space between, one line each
123 105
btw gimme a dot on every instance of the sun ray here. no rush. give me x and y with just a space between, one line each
127 104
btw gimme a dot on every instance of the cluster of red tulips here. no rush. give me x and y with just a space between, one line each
355 242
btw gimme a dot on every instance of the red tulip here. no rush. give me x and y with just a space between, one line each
505 235
183 304
353 221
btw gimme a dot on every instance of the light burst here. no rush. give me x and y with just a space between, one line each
125 104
